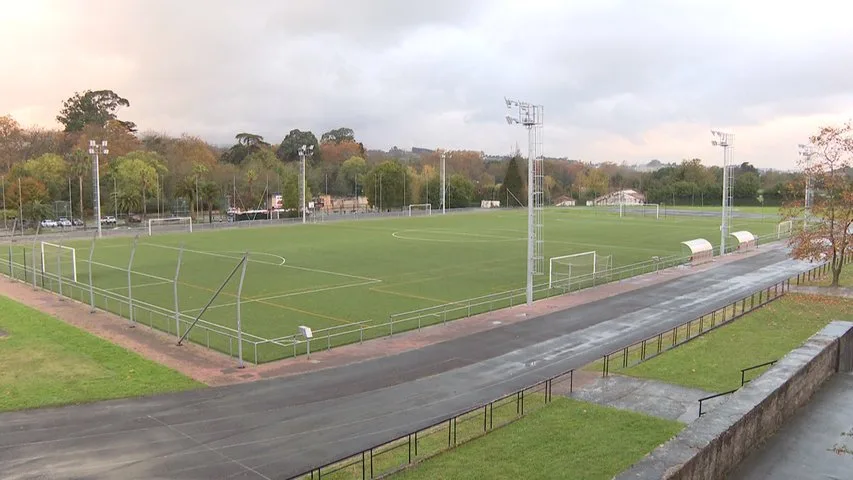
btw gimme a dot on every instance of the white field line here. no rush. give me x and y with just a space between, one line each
307 269
162 279
285 295
403 235
151 284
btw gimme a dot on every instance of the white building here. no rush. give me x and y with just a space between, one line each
621 197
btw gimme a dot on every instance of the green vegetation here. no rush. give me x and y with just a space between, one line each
44 361
568 439
845 280
713 362
337 273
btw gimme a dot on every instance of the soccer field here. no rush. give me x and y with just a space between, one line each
336 274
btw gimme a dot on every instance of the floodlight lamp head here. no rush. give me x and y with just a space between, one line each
104 143
510 120
106 151
91 150
92 143
508 102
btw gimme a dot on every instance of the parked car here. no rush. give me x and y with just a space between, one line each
63 222
134 219
77 222
108 220
48 223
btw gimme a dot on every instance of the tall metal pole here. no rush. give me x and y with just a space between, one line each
443 181
91 286
70 203
725 140
20 207
4 203
531 117
304 151
806 151
95 149
129 283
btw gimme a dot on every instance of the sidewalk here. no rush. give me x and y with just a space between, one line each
214 369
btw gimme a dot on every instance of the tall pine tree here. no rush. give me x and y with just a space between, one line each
512 189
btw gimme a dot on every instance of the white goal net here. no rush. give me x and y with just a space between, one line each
784 229
59 261
420 209
651 210
567 270
170 224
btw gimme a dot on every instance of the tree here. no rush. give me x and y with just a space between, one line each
512 186
288 150
209 193
385 185
746 185
92 108
338 135
251 140
138 173
79 165
49 169
11 143
31 190
827 235
460 191
121 141
352 172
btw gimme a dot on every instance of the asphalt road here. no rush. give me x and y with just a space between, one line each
281 427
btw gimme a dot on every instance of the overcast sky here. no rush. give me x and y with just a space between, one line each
624 80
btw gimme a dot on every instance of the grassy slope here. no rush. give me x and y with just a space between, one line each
713 361
566 440
44 361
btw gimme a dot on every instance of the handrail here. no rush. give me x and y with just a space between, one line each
709 397
743 371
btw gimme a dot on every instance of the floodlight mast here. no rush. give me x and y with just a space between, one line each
807 151
305 151
725 141
95 150
531 117
443 169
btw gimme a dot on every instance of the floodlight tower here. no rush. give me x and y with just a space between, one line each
304 151
726 141
443 180
531 117
96 150
806 151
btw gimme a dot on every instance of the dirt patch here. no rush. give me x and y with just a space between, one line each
3 333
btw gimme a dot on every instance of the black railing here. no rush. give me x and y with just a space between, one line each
711 397
743 380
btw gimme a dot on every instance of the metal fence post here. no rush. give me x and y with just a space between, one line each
245 262
59 268
130 283
175 292
35 239
91 287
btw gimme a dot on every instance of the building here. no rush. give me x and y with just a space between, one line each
621 197
564 201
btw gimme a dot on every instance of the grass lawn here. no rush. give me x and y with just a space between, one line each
336 273
713 362
845 280
44 361
568 439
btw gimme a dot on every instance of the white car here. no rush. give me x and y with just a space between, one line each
64 222
108 220
48 223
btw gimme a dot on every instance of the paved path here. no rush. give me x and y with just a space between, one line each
804 446
842 292
652 397
280 427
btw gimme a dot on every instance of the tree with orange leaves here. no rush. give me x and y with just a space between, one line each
827 232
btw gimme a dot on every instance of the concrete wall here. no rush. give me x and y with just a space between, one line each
713 445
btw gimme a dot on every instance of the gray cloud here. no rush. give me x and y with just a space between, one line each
435 72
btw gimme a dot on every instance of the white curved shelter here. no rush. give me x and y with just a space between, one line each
745 240
700 249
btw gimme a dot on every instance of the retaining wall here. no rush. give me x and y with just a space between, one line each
715 444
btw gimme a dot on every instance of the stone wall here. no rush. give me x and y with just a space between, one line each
716 443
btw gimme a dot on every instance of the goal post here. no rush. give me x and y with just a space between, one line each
561 269
425 207
643 208
52 253
784 229
181 221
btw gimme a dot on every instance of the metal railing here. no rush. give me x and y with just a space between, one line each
743 381
396 454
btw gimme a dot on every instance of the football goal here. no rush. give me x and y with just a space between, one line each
640 209
171 224
784 229
59 260
567 269
420 209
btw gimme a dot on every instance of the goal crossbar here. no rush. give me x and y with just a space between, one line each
623 209
562 259
427 207
169 221
61 248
